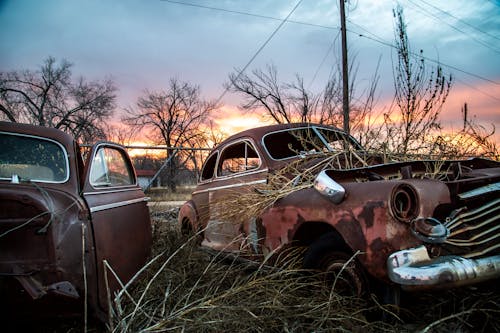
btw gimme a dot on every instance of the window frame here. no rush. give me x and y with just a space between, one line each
216 154
248 142
99 149
316 130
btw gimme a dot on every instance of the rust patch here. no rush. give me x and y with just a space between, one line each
367 214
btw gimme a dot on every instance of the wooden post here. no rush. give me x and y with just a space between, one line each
345 79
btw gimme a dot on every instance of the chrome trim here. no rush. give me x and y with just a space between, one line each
490 188
236 175
414 268
50 140
328 187
114 189
255 182
213 180
116 204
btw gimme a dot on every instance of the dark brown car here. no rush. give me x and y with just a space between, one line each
419 224
66 227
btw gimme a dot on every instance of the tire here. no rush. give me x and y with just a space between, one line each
341 271
188 231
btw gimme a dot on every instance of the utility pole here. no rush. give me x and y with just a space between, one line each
345 79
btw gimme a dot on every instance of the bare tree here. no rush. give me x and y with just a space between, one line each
49 97
172 117
293 102
121 133
264 90
420 94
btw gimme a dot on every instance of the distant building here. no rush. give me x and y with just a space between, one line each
145 176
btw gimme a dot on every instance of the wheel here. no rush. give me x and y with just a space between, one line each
342 271
188 231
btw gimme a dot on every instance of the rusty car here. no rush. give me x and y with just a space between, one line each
407 225
71 232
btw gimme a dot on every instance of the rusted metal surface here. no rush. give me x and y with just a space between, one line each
449 209
55 235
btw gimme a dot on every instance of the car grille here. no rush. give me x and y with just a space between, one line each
475 228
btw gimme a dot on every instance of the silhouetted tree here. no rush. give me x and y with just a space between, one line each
49 97
293 102
173 117
420 94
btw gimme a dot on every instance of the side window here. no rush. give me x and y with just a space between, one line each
110 168
339 141
239 157
285 144
208 170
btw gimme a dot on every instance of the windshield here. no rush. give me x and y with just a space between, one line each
32 158
308 140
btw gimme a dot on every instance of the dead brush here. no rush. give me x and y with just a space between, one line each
185 290
239 206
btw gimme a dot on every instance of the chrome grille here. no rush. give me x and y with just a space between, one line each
475 232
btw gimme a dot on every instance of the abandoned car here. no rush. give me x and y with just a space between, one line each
70 232
414 225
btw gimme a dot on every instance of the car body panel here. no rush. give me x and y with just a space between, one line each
55 235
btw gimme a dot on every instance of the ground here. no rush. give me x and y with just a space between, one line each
186 289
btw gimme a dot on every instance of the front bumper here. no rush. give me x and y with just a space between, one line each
414 269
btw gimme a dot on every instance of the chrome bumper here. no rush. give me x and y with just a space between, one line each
413 268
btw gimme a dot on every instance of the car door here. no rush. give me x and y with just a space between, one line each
239 169
119 216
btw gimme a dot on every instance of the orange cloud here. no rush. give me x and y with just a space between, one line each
483 104
230 119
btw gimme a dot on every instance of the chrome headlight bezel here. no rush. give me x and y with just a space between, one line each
405 203
329 188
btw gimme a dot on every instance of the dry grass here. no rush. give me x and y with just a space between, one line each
182 193
185 289
241 206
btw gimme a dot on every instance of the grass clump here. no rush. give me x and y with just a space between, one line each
184 289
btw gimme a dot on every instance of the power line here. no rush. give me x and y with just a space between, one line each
383 42
481 91
425 11
324 59
250 14
374 37
460 20
259 50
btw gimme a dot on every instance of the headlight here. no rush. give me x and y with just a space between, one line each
325 185
429 230
404 203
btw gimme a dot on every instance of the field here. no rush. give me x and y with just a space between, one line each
185 289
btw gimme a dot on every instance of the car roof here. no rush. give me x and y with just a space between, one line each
45 132
259 132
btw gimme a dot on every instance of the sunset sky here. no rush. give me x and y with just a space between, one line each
142 44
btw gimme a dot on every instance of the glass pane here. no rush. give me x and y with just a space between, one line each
239 157
209 168
110 168
32 158
337 140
